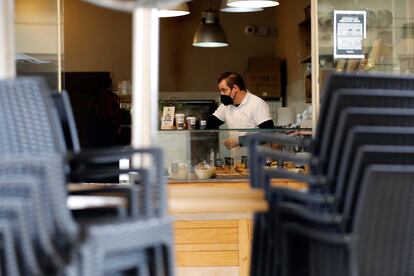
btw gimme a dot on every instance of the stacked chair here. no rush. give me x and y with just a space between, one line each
39 235
355 217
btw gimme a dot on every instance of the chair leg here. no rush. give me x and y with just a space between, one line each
169 260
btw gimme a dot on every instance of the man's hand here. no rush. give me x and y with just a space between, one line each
231 143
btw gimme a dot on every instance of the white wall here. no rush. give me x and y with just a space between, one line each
296 96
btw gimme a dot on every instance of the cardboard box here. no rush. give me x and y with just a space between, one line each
263 76
264 84
264 64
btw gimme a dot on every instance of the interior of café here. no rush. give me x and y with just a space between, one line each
121 156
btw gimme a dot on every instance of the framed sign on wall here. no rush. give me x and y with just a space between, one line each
349 33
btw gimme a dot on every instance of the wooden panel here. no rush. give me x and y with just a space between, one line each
206 224
212 216
206 247
245 241
209 258
214 192
229 205
210 235
243 184
208 271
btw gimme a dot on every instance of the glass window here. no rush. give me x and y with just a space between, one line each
387 46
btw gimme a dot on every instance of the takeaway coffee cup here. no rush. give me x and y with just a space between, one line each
179 120
191 122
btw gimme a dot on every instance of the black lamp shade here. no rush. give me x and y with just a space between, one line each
210 33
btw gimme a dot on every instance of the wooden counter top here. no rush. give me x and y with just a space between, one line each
212 223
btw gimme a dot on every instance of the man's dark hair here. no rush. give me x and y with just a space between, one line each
232 78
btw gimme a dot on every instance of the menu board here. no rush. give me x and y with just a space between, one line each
349 33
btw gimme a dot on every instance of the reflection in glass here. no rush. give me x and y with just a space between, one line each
389 44
39 26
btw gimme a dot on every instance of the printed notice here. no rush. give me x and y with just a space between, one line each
167 120
349 32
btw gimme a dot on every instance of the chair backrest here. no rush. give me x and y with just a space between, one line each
352 97
368 82
384 223
359 116
64 110
336 82
360 136
28 120
364 157
92 164
29 124
49 170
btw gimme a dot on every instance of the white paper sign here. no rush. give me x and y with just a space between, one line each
349 32
167 120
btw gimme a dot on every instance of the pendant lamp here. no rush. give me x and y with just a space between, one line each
252 3
210 33
179 10
227 8
131 5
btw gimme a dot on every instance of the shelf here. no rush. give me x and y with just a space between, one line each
306 59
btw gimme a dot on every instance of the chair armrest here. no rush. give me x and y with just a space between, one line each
255 139
269 173
258 138
108 155
278 154
104 163
303 212
128 191
318 235
306 198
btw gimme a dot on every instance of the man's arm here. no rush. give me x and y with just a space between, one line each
266 125
213 122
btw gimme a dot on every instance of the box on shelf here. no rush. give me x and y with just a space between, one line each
264 84
263 76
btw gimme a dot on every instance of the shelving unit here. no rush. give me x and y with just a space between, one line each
304 28
306 59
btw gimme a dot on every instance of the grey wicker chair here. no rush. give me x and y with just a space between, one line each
64 110
9 266
379 239
343 91
367 145
30 125
26 189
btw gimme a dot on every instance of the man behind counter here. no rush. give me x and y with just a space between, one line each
239 108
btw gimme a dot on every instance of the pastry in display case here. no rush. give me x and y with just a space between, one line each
200 155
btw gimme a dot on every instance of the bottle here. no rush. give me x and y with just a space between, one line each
211 159
218 163
203 124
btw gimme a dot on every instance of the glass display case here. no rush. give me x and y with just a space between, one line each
202 155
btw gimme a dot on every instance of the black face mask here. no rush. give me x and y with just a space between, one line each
226 100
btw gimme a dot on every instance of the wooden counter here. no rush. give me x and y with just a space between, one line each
213 224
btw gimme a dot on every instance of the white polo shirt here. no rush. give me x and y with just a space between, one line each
251 112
